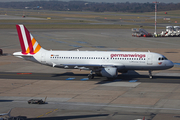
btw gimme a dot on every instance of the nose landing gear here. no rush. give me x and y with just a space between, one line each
150 74
91 75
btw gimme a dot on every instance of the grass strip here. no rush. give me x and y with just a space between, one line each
74 26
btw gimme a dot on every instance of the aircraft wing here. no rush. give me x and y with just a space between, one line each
91 66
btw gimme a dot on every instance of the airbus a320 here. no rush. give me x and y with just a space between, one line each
104 63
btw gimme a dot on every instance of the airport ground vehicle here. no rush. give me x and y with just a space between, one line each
171 31
140 33
37 101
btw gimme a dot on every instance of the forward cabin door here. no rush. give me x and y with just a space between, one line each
149 59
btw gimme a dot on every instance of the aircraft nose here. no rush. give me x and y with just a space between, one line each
170 64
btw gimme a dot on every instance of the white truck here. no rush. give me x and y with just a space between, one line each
171 31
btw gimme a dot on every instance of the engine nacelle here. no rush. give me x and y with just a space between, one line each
109 72
98 73
123 71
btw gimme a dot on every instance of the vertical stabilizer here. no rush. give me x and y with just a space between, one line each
28 43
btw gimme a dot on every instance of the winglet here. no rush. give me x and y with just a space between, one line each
28 43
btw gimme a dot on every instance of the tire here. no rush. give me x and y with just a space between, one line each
91 76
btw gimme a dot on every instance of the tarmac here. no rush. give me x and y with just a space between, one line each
70 95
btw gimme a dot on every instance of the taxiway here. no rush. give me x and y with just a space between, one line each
72 96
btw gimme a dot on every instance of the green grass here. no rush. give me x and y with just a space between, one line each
61 26
76 18
46 21
172 20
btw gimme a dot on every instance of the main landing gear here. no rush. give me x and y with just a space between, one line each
150 74
91 75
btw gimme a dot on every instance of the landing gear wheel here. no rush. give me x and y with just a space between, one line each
91 76
150 74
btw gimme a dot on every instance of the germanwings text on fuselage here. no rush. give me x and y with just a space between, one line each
128 55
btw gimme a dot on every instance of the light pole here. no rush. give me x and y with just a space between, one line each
155 15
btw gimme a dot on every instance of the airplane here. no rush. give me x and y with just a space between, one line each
104 63
5 114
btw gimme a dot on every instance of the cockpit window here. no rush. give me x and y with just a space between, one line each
162 58
165 58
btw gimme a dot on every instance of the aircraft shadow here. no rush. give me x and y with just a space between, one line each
143 79
125 77
133 75
72 74
6 100
68 74
68 117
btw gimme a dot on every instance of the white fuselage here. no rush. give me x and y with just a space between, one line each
107 64
88 59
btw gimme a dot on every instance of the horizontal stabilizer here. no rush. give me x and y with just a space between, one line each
20 54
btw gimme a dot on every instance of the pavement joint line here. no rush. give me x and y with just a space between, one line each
56 40
117 106
158 42
24 73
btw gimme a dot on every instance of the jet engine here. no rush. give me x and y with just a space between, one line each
123 71
109 72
